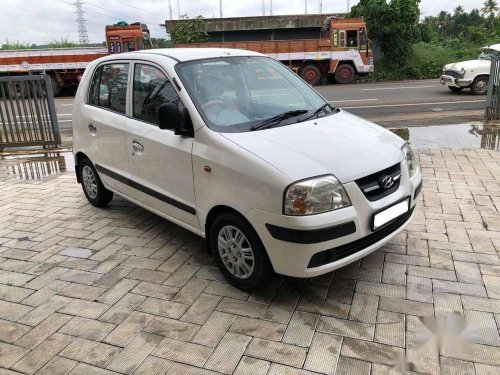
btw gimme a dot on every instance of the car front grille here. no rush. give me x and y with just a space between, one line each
373 186
452 73
343 251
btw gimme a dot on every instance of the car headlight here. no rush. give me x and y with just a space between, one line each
410 159
314 196
462 73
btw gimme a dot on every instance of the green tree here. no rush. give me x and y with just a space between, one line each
189 30
489 10
161 43
15 45
393 25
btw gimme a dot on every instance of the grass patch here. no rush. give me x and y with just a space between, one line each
426 62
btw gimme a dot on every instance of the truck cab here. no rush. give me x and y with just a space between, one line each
123 37
349 36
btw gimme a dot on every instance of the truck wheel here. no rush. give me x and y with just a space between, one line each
480 86
455 89
345 74
56 88
311 74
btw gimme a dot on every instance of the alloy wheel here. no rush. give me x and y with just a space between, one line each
236 252
89 181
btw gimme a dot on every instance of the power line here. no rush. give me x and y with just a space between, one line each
112 11
133 6
108 16
91 10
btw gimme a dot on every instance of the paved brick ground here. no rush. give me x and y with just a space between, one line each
120 290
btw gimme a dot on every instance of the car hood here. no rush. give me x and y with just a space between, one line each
468 65
341 144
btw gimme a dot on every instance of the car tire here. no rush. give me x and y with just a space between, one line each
239 252
480 86
455 89
92 185
311 74
344 74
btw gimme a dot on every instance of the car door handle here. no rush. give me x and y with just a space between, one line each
92 129
138 147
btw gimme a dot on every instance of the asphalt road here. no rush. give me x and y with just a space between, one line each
412 103
408 102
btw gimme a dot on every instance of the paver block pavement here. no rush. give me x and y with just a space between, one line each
122 291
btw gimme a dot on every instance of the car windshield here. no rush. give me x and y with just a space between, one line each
239 94
486 54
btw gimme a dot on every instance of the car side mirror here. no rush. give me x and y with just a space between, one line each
171 118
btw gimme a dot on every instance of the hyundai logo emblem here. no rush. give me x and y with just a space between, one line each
387 182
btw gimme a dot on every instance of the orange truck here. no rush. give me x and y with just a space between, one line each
66 65
343 51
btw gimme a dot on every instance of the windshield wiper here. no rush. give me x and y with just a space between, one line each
275 120
320 110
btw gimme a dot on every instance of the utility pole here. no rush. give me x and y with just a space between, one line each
320 7
305 5
220 8
83 36
348 6
270 7
263 7
170 8
179 9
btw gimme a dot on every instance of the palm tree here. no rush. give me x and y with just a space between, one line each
490 8
458 11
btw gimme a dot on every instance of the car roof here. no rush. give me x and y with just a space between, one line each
494 47
186 54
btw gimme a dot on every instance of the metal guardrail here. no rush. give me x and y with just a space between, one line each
493 98
27 112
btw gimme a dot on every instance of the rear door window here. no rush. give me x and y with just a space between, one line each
109 87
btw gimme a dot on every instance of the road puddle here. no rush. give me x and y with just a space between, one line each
36 166
485 135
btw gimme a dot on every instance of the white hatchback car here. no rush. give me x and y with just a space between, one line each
235 147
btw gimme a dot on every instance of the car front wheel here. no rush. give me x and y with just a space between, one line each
239 252
92 185
480 86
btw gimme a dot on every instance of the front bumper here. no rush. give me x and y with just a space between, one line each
448 80
309 246
365 68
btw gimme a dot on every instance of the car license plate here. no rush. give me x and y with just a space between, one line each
389 214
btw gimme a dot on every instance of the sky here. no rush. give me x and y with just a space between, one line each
39 21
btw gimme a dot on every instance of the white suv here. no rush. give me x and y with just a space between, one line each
471 74
235 147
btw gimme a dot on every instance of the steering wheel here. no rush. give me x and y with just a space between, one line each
211 103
